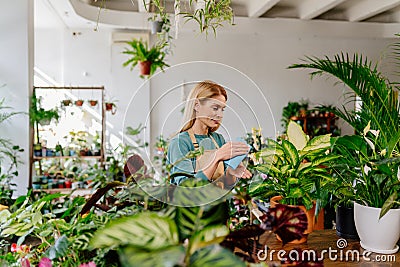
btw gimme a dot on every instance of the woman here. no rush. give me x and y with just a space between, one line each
203 116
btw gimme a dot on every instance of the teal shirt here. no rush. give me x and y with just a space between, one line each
180 145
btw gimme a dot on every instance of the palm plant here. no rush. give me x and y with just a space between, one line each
378 95
380 110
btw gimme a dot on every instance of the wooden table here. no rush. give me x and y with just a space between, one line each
324 244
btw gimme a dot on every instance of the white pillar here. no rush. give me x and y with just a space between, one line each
16 74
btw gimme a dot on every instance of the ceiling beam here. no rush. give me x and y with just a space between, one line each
369 8
313 8
142 5
256 8
395 16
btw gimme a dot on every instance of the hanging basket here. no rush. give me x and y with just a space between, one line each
144 67
111 107
79 103
93 103
67 102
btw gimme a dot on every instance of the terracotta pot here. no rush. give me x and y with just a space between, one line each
83 152
144 67
67 102
79 103
93 103
310 219
111 107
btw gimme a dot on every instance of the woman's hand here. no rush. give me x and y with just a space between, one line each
231 149
241 172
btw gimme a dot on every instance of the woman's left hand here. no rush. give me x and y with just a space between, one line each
240 172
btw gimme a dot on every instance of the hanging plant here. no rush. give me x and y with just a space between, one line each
79 102
92 102
66 102
209 14
160 23
149 59
37 114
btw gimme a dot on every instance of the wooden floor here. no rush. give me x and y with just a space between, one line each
326 245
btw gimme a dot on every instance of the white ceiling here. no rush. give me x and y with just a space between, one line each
70 12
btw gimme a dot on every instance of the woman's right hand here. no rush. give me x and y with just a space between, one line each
232 149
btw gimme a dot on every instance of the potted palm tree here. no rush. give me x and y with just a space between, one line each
148 59
297 172
375 170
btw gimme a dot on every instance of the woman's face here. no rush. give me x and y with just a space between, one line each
211 111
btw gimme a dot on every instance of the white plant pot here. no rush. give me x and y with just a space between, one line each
156 26
377 235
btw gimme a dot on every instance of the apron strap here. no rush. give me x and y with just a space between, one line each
194 141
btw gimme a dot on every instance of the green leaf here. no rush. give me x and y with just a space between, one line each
4 214
379 178
208 236
293 181
296 135
196 192
60 248
167 257
215 256
389 203
318 142
37 218
144 230
291 152
193 219
13 230
324 159
267 169
296 193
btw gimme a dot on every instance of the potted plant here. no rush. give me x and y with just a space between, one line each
375 168
92 102
159 22
374 186
79 102
39 115
111 106
297 171
66 102
293 109
149 59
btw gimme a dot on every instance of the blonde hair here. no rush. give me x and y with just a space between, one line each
202 91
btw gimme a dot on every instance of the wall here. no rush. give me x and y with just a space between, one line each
16 69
